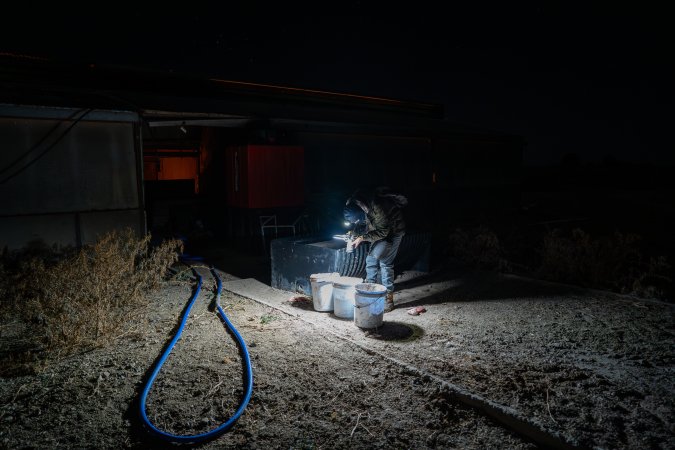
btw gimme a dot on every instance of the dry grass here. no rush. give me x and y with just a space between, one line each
478 247
614 262
69 300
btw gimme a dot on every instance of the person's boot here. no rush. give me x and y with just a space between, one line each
389 302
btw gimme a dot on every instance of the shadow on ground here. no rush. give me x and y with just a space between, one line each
237 260
448 282
395 331
455 284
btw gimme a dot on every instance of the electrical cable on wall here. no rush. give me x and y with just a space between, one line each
37 145
82 112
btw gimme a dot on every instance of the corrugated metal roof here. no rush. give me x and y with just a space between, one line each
168 96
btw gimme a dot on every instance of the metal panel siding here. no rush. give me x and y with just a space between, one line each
178 169
275 176
51 112
93 167
15 232
62 229
65 182
94 224
236 171
265 176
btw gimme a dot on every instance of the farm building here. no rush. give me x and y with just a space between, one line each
86 149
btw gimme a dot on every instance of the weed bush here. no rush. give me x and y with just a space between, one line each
479 247
616 262
71 300
613 262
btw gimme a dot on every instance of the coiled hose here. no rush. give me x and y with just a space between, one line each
248 389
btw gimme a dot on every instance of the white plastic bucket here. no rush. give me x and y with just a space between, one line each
343 296
369 305
322 290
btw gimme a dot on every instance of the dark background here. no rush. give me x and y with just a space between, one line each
586 83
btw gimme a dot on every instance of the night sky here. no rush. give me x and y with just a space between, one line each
594 81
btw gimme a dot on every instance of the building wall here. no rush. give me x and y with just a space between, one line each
264 176
67 175
166 168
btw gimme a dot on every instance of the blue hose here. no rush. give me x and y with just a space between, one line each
185 439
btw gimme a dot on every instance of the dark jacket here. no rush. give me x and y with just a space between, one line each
384 217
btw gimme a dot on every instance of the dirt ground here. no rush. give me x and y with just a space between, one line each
591 369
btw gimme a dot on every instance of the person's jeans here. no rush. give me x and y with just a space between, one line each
380 261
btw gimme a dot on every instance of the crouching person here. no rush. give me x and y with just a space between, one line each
381 212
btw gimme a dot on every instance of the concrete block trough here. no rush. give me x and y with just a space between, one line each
294 259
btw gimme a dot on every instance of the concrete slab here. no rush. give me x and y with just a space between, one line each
398 327
278 298
412 294
346 329
254 289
